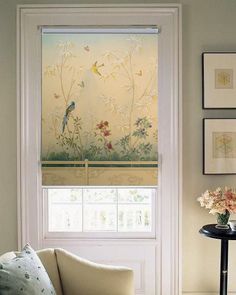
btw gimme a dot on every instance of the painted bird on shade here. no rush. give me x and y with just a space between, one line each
69 109
95 68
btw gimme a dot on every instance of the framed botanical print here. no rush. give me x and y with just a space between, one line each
219 80
219 146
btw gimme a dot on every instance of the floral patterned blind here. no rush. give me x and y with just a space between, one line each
99 107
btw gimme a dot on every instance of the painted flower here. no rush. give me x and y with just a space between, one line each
109 146
107 132
100 125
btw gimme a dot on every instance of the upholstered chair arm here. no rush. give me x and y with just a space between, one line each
80 276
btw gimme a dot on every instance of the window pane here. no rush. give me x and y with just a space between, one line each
135 195
134 218
99 217
65 210
99 195
65 195
64 217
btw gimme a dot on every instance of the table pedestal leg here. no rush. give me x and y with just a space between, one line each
224 267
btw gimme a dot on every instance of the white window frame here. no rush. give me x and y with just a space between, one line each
99 234
29 20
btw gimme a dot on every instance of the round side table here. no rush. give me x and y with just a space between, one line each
210 231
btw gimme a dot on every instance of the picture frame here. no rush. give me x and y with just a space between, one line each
219 146
219 80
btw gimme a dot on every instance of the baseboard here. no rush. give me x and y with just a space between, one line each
206 293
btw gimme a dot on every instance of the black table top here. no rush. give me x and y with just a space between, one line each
211 231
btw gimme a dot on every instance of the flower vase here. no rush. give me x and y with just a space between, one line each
222 220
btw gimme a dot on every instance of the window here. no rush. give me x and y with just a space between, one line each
100 211
151 244
99 127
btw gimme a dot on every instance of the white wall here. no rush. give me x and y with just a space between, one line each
208 25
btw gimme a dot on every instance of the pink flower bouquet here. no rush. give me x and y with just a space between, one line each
219 201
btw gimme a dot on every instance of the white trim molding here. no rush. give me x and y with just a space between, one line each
167 17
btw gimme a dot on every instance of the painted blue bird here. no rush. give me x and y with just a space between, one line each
69 109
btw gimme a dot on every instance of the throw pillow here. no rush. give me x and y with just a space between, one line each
25 275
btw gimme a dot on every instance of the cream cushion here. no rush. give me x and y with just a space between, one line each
80 276
49 261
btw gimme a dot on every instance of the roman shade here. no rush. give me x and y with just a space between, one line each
99 106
